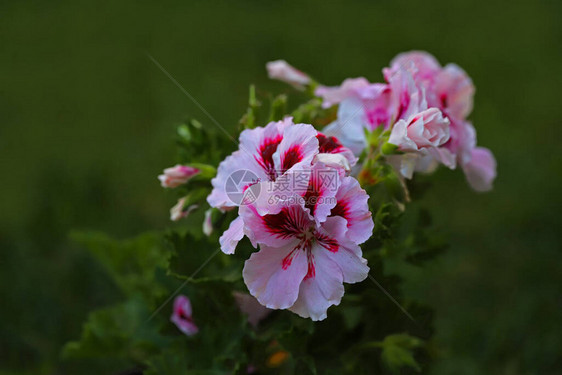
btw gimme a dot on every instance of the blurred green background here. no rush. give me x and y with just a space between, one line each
88 123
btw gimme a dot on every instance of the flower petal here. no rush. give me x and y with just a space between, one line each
323 185
337 94
349 126
324 289
481 170
232 236
273 275
352 206
239 162
299 146
274 230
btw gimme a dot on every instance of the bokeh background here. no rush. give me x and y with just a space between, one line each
88 121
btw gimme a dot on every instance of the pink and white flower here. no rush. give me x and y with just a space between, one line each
306 252
280 156
267 153
301 265
283 71
373 105
182 316
177 175
415 82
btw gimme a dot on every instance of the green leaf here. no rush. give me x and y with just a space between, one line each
171 361
389 149
132 263
278 108
202 259
121 331
398 351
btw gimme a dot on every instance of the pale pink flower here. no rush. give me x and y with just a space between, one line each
177 175
480 171
307 252
251 308
415 82
426 129
374 105
180 211
182 316
282 71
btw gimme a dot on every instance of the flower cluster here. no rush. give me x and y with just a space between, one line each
303 211
294 189
425 106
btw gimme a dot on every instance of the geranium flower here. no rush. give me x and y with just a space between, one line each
415 82
266 154
426 129
372 105
303 262
279 157
182 316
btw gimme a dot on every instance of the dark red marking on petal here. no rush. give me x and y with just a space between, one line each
328 243
311 273
184 315
265 158
340 209
291 157
288 259
313 192
328 145
443 99
287 223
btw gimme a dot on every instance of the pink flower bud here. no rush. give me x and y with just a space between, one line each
182 316
179 211
177 175
282 71
208 222
425 129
